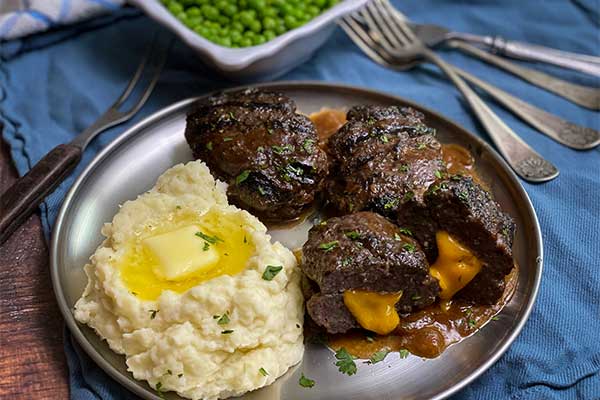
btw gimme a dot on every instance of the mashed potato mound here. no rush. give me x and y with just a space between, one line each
175 342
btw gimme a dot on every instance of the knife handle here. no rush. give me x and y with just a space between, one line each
26 194
525 51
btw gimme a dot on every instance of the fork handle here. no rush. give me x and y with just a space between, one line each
525 161
26 194
526 51
582 95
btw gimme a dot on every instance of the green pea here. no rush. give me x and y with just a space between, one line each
290 21
246 19
223 20
269 35
230 10
236 37
313 10
269 23
211 13
245 42
259 39
257 4
270 12
175 8
280 29
255 26
237 26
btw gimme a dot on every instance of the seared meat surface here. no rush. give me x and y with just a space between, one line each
468 212
363 251
383 159
255 141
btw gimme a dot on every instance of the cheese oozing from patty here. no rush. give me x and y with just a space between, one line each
455 266
374 311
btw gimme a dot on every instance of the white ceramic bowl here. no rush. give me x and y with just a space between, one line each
266 61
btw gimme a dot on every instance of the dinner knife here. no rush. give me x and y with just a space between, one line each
434 35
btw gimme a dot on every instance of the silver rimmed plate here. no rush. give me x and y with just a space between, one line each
131 164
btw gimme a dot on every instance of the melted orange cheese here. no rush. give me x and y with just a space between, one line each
455 266
374 311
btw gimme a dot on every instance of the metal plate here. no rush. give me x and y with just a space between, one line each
131 164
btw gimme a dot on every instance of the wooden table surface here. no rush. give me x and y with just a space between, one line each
32 359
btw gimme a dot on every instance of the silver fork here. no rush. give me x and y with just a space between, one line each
26 194
398 40
564 132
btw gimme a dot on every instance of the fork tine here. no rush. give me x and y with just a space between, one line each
385 14
376 29
399 19
157 53
360 37
378 23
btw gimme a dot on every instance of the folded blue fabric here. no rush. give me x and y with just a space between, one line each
56 84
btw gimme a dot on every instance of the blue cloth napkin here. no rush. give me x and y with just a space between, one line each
56 84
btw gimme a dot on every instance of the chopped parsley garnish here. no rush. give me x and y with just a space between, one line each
206 246
409 247
403 353
158 387
169 372
231 116
345 362
263 371
227 139
384 138
495 318
379 355
153 313
269 130
416 297
346 261
408 196
421 146
397 237
370 338
404 168
456 177
261 190
438 174
328 246
260 149
245 240
352 235
405 231
371 121
209 146
227 332
306 382
216 316
134 293
282 149
463 195
179 375
223 319
208 238
242 177
390 204
471 323
505 231
178 207
271 271
307 145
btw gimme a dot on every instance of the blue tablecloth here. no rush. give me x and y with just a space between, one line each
54 85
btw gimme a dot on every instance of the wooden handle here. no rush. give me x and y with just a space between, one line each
26 194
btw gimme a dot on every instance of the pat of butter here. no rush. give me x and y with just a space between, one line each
180 253
455 266
374 311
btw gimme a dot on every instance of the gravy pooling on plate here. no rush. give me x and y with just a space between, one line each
429 331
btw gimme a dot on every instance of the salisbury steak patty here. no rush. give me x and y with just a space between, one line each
469 213
384 159
256 142
363 251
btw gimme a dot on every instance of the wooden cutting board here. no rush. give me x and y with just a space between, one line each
32 359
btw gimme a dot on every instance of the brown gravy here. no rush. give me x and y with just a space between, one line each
427 333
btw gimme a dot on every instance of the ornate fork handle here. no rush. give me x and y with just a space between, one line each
581 95
565 132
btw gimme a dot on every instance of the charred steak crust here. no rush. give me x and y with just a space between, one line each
468 212
255 141
364 251
384 158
